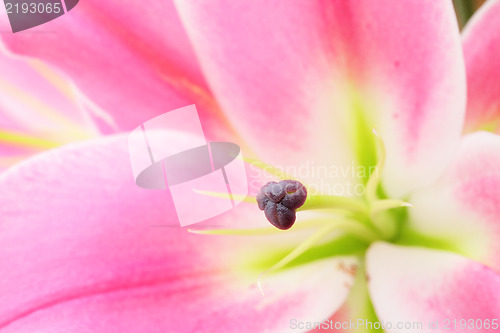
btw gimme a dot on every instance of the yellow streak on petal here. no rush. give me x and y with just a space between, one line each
67 89
23 140
490 126
23 98
53 78
203 97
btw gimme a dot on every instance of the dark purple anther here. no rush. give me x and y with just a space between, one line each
280 200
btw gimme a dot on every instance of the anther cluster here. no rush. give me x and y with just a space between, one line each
280 200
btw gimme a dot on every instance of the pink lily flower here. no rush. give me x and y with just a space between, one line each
295 83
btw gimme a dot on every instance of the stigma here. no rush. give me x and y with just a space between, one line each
280 200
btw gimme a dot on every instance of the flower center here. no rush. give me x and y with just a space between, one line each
366 219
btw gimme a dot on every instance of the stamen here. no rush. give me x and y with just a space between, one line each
349 226
224 195
382 220
277 172
307 224
333 202
301 248
381 205
374 180
235 232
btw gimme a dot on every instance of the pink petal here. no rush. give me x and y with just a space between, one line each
133 61
357 306
292 76
79 250
463 208
38 110
481 43
414 285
